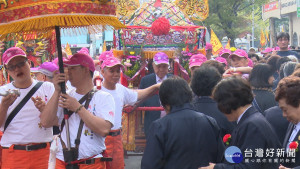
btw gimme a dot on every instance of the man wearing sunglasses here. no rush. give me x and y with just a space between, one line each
25 142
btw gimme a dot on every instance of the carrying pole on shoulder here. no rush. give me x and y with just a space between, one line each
68 154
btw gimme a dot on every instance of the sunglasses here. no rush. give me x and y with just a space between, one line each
19 65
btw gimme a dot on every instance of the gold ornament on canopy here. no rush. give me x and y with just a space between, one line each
41 16
125 8
196 9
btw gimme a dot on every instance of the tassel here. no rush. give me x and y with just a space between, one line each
43 26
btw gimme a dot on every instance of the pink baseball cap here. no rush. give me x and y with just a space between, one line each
221 60
197 60
161 58
208 46
111 62
81 59
224 51
46 68
11 53
240 53
105 55
267 50
84 50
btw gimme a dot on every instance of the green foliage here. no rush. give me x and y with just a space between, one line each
132 70
233 17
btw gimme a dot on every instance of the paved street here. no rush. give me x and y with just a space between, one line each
133 160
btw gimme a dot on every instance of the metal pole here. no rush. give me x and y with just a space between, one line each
62 85
253 23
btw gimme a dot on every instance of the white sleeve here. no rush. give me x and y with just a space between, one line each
48 89
104 106
130 96
2 90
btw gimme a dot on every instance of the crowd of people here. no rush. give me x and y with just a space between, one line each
237 99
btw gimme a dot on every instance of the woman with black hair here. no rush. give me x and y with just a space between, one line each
184 138
253 132
261 80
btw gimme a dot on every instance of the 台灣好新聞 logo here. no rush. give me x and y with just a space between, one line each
233 154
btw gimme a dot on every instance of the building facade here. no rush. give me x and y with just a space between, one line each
284 9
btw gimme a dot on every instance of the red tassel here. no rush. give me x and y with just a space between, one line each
176 68
187 48
8 78
143 73
115 42
123 80
195 48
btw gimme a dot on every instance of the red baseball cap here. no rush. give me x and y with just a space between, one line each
11 53
81 59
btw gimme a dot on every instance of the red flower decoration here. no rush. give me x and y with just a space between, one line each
227 138
161 26
294 145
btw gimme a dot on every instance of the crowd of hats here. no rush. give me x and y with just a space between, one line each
198 59
107 59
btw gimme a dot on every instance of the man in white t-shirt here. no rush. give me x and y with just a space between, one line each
24 139
98 118
110 69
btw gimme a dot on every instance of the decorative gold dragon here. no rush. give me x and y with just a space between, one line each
4 2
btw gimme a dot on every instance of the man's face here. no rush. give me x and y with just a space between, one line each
75 74
225 55
18 68
209 52
254 60
111 75
292 114
271 80
252 51
283 43
40 77
161 70
237 61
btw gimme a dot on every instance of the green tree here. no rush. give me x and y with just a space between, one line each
233 17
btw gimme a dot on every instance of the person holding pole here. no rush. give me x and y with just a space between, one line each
91 115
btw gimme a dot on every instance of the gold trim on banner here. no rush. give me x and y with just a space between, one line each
150 54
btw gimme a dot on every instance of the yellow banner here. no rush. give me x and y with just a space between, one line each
267 35
68 50
217 45
262 38
104 46
228 44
